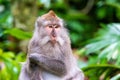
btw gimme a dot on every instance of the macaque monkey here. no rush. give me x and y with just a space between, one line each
49 52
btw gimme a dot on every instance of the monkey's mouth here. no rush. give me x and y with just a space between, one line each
53 39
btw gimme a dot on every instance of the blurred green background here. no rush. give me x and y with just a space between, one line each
94 27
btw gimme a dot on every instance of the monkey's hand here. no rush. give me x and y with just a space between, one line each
52 65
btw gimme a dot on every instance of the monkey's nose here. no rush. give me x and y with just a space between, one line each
53 33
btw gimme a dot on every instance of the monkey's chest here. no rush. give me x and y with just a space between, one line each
49 76
51 51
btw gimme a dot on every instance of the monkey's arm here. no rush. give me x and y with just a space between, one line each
52 65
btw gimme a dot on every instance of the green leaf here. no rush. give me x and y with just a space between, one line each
18 33
96 46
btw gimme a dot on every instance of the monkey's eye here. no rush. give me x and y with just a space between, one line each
56 26
50 26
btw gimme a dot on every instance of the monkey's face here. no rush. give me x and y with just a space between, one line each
52 31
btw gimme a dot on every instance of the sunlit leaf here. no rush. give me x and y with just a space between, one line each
116 77
106 43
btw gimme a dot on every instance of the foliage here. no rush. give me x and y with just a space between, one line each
108 40
19 34
104 72
10 66
106 46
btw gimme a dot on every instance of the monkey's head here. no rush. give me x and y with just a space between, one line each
51 28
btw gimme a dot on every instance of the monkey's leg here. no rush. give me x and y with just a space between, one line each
54 66
35 73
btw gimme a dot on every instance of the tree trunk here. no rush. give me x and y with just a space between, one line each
24 13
